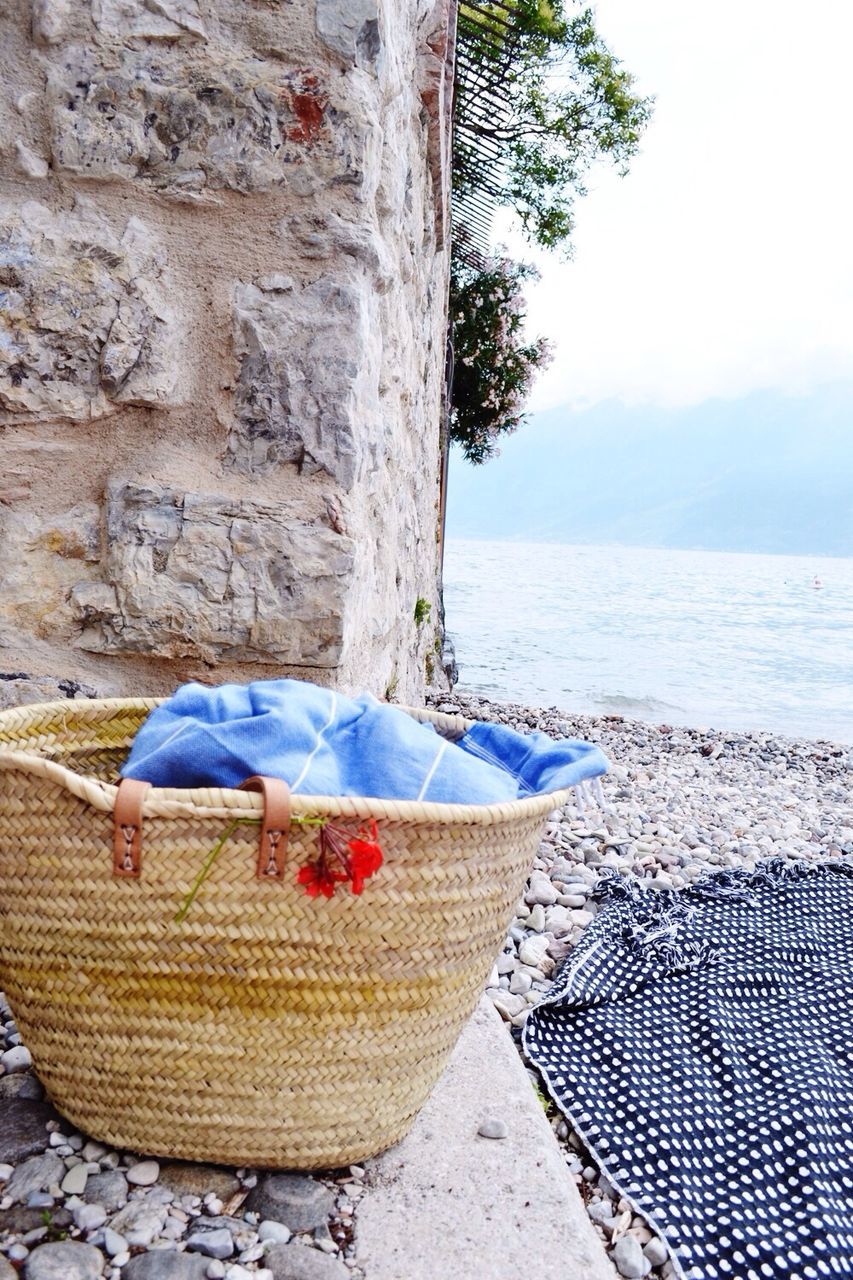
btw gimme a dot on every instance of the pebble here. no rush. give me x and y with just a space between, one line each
493 1127
74 1182
89 1217
144 1174
65 1260
656 1252
16 1059
113 1242
300 1203
213 1244
630 1260
274 1231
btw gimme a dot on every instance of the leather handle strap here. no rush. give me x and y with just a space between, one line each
127 828
275 827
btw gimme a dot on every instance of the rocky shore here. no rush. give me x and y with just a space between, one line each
678 804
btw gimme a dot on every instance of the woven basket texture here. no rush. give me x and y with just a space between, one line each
268 1028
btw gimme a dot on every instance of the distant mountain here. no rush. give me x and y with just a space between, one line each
766 473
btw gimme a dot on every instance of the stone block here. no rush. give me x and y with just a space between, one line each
201 120
151 19
351 29
304 389
49 20
213 577
84 325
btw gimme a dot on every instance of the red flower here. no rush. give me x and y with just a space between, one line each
342 857
316 879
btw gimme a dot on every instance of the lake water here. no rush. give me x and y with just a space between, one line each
687 637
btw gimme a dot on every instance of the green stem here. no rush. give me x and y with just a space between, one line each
205 871
217 849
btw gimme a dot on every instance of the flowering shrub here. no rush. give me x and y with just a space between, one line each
494 365
342 858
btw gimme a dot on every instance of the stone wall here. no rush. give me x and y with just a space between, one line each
223 231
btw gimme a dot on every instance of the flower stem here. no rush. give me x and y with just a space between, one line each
205 871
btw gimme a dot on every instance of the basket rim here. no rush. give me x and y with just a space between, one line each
223 802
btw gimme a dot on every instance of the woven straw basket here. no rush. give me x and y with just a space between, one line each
267 1028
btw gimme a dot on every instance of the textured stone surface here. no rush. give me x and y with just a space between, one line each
296 1262
84 324
189 123
199 1180
351 28
164 1265
207 576
64 1261
35 1174
234 284
154 19
305 357
300 1203
23 1122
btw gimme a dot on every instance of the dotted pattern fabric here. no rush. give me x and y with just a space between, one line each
701 1041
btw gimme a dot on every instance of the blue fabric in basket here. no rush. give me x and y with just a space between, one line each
322 743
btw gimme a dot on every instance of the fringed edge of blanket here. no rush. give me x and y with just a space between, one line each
650 922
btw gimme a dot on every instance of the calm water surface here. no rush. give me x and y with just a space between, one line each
689 637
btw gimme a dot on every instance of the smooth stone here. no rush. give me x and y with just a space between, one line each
276 1232
298 1262
89 1217
630 1260
508 1005
213 1244
505 963
532 950
108 1189
493 1127
35 1174
144 1174
536 919
242 1233
23 1125
40 1200
114 1243
74 1182
18 1058
215 1270
656 1252
520 983
558 920
199 1180
540 892
7 1271
66 1260
139 1222
300 1203
163 1264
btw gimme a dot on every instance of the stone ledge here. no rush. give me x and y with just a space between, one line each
447 1202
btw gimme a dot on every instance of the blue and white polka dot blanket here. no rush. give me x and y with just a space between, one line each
701 1041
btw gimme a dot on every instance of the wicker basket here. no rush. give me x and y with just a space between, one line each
268 1028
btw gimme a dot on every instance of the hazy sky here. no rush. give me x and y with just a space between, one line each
723 263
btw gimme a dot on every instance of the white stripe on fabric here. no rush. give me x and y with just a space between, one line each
433 767
317 745
176 733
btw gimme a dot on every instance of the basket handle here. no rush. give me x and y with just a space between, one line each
272 845
127 828
275 828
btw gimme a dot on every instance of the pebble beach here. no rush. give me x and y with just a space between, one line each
677 804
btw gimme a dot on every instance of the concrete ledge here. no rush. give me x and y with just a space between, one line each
447 1202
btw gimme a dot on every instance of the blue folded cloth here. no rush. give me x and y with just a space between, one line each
322 743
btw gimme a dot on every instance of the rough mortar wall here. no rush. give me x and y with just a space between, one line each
224 267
